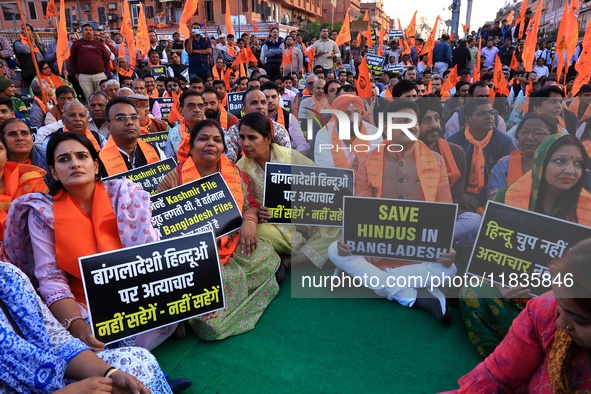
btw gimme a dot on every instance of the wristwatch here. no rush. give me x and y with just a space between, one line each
66 323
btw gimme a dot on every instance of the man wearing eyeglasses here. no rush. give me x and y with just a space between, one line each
124 150
483 144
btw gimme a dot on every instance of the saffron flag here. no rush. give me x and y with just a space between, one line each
362 82
367 33
561 41
383 33
62 49
142 38
453 36
583 65
229 26
531 40
499 80
452 79
521 19
514 64
188 11
411 30
358 38
399 25
572 33
50 10
430 43
127 32
510 17
345 33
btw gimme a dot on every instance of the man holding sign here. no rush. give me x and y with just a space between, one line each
414 173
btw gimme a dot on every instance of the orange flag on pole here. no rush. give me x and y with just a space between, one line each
510 17
50 10
452 79
583 66
499 80
229 26
383 34
399 25
572 33
142 38
367 33
531 40
362 82
345 33
561 41
358 38
430 43
514 64
521 18
411 30
188 11
127 32
62 50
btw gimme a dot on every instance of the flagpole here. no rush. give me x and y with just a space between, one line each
30 37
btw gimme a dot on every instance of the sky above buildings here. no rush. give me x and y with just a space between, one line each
482 10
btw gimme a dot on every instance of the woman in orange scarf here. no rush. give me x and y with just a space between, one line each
248 263
54 81
554 187
530 132
19 144
103 217
16 180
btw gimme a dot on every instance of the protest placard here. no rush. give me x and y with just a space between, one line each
375 64
234 100
514 247
156 140
148 176
165 103
141 288
398 229
158 71
372 51
199 206
395 34
306 195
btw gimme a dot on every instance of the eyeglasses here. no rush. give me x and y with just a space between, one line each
172 85
125 118
483 113
537 134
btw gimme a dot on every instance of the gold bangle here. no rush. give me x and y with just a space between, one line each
110 372
251 218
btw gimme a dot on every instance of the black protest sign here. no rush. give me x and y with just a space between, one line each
287 105
165 104
305 194
514 246
138 289
158 71
375 64
372 51
199 206
148 176
234 100
395 34
157 140
398 229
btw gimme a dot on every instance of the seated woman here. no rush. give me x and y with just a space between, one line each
54 81
40 356
40 229
256 134
547 347
20 144
16 179
248 264
554 187
530 133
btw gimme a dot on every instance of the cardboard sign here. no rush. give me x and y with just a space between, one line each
375 64
196 207
398 229
372 51
157 141
306 195
165 103
148 176
234 100
141 288
514 246
395 34
158 71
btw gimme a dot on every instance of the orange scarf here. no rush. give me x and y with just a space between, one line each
228 243
453 172
25 41
310 55
91 137
519 193
154 93
280 117
19 179
338 156
587 145
476 175
42 105
515 167
287 57
223 121
146 129
574 107
318 105
113 161
124 73
100 233
53 80
217 74
427 170
184 148
232 51
174 115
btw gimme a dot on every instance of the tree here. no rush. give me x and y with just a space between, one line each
312 29
423 26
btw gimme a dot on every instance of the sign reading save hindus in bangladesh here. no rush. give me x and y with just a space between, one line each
148 176
398 229
306 195
156 140
375 64
514 247
196 207
141 288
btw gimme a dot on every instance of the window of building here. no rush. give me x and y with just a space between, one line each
10 12
32 10
102 15
245 6
223 7
209 10
44 7
135 10
324 11
149 11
